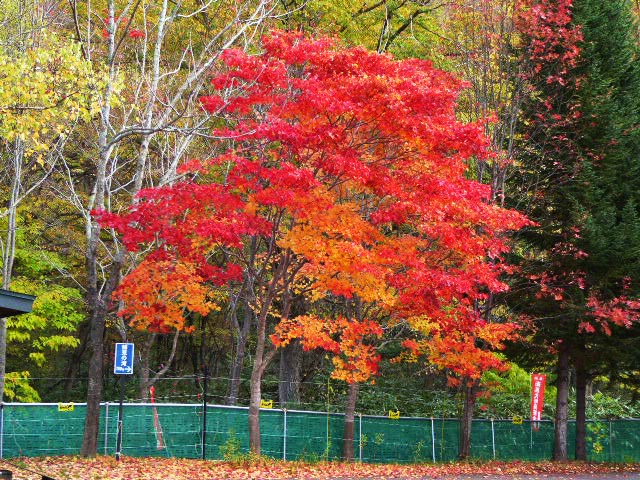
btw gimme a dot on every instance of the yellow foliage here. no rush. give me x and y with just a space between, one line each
44 92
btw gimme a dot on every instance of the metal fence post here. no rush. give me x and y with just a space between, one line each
120 419
433 440
284 435
493 439
360 437
1 430
204 413
530 438
106 428
610 440
328 448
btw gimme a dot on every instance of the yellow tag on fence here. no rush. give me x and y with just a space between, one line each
518 420
394 415
266 403
65 407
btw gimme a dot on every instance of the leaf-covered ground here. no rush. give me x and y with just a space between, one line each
107 468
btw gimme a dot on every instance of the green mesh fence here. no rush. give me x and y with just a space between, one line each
175 430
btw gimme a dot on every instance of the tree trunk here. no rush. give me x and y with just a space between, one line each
349 423
96 296
254 411
238 359
9 251
94 390
146 379
470 389
262 358
290 365
581 414
145 371
562 405
261 361
256 384
97 302
76 360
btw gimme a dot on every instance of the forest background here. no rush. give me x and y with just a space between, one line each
101 100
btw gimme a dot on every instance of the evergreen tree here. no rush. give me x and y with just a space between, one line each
581 262
608 188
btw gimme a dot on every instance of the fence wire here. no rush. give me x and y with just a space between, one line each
175 430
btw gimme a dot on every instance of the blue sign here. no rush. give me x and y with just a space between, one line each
123 363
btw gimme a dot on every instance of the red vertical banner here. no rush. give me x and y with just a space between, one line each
538 383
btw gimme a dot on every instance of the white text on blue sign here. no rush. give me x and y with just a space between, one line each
123 364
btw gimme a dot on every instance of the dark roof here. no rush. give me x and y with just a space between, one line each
14 303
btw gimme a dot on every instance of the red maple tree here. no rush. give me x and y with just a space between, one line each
345 178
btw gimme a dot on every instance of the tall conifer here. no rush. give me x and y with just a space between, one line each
581 154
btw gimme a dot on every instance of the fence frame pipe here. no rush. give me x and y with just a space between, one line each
284 434
433 440
360 437
493 439
1 430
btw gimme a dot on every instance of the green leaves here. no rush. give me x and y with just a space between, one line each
57 311
17 388
51 325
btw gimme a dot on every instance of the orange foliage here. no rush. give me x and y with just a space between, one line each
157 294
354 360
